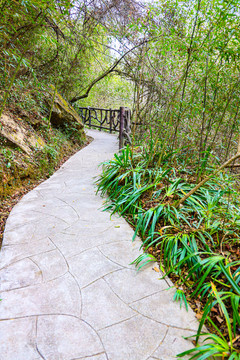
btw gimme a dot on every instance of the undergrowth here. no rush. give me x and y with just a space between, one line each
196 243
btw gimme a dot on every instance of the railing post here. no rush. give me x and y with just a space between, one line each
121 127
90 124
110 123
100 120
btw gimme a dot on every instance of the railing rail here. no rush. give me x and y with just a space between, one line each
112 120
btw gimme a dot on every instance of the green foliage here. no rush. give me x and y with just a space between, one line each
59 43
180 296
8 156
143 260
217 344
192 240
188 93
111 92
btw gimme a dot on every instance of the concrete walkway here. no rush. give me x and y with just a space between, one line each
68 291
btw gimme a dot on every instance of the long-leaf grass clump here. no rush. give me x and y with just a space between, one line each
196 243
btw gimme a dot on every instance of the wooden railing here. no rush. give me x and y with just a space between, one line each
112 120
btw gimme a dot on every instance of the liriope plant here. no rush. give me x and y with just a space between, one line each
187 237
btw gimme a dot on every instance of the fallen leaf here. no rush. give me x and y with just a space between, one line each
236 338
220 320
150 250
156 269
198 304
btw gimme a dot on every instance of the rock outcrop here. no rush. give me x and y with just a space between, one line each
18 133
63 114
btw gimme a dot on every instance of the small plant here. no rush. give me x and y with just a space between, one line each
180 296
218 344
8 156
143 260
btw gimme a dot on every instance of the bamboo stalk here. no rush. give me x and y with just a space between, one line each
224 165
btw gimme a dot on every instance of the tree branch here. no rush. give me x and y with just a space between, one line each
105 73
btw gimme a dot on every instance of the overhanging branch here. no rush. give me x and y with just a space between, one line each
105 73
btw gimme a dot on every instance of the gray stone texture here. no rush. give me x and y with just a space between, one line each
67 287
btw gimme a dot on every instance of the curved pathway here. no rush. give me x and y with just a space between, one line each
67 289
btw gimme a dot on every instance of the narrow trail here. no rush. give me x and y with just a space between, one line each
67 289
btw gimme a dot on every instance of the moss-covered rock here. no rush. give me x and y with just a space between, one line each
63 114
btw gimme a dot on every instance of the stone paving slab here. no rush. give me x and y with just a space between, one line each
67 287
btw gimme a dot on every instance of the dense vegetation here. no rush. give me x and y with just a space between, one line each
176 64
174 184
66 45
196 243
